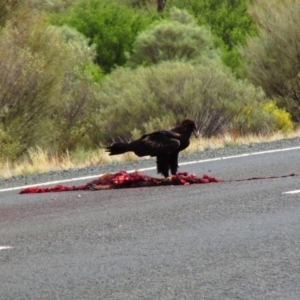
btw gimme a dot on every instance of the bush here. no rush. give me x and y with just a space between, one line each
110 26
56 6
8 9
135 101
176 39
282 118
229 21
262 118
273 60
44 87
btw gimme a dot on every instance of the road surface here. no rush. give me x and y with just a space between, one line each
229 240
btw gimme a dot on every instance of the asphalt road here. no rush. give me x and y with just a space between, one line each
229 240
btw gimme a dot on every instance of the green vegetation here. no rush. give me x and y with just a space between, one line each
159 96
45 87
78 74
229 21
178 38
273 60
110 26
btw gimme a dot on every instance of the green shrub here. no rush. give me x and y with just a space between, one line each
44 85
131 102
263 118
229 21
8 9
176 39
283 120
56 6
9 147
273 60
112 27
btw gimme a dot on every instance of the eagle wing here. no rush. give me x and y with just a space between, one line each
157 143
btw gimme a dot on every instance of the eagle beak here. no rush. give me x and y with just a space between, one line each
196 132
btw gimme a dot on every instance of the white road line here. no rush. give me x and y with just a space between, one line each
62 181
292 192
5 247
153 168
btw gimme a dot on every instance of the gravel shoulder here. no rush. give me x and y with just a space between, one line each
144 163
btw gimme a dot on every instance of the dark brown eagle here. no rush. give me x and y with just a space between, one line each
164 144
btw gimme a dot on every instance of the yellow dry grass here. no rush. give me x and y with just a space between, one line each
234 140
39 160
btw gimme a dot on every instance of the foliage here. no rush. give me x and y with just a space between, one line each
145 5
273 57
112 27
229 21
7 10
282 118
176 39
132 102
43 86
53 95
264 117
56 6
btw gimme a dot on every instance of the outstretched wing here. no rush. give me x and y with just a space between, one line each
157 143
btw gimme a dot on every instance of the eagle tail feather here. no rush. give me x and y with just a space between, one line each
118 148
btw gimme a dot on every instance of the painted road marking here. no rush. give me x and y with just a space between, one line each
292 192
152 168
5 247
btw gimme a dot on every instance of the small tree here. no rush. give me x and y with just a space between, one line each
229 21
112 27
43 85
273 59
176 39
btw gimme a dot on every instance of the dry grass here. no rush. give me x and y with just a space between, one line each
40 161
231 140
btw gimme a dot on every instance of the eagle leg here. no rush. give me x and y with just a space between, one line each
162 164
173 163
